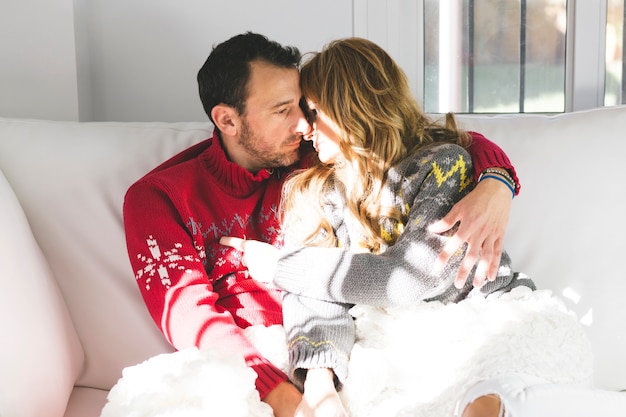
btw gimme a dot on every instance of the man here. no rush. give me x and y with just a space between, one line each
198 292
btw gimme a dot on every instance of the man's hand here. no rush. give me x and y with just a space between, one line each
483 215
284 399
259 257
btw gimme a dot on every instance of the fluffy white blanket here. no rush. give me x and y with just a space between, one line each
407 361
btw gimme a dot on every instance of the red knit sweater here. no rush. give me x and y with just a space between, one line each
196 290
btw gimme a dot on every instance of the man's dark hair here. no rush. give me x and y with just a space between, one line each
224 76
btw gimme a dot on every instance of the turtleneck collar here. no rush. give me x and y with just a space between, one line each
232 178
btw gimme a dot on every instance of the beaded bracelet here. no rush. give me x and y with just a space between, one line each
499 178
503 172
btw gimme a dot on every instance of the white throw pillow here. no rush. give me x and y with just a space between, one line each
40 355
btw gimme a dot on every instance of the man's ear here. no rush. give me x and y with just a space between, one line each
226 119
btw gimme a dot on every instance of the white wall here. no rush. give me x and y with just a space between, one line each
136 60
38 59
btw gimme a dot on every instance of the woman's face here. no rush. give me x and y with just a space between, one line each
325 135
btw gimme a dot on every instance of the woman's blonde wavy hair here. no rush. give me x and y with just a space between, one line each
360 88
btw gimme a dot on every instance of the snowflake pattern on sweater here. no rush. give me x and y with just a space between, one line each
159 262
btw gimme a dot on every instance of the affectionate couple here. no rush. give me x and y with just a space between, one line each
255 227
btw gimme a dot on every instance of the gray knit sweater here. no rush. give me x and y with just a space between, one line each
322 284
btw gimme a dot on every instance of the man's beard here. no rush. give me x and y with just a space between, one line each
267 158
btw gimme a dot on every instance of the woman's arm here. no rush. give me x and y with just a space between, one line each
406 271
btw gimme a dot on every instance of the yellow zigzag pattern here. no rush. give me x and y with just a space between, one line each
316 344
441 178
459 166
388 236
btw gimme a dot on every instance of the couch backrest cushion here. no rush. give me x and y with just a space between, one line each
567 228
71 179
40 352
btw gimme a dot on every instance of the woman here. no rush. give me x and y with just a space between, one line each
357 229
356 222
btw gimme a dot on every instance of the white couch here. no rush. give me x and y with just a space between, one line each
71 317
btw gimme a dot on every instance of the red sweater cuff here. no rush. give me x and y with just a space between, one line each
268 376
486 154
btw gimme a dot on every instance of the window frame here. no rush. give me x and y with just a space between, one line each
392 25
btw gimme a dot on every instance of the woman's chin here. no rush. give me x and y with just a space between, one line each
326 158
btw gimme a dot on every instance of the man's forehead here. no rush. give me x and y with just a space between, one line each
273 86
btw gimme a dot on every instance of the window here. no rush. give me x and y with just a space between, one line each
503 56
493 56
615 82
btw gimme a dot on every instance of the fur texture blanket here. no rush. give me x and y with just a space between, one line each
413 361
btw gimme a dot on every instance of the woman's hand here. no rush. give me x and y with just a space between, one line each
259 257
320 398
483 215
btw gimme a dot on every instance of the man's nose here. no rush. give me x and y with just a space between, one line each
310 134
303 126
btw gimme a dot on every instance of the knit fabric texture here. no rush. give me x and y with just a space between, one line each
322 284
198 291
